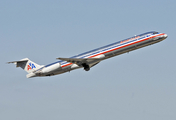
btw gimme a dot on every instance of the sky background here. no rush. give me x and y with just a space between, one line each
140 85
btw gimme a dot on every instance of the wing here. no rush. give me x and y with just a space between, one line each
87 63
79 61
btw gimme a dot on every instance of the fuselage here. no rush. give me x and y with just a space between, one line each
93 57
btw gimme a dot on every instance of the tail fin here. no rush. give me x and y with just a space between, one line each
27 65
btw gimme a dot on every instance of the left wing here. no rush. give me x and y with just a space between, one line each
79 61
85 62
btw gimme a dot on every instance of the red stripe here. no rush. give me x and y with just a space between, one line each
66 64
118 48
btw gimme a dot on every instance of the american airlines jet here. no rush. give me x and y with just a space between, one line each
91 58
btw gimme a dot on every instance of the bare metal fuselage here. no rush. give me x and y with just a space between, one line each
91 58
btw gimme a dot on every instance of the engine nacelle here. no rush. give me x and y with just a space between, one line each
51 68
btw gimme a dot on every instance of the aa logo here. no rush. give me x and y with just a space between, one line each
30 66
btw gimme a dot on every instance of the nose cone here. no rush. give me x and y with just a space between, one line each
165 35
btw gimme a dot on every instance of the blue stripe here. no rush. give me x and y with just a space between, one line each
105 48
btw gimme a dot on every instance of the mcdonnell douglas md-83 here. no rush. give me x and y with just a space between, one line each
91 58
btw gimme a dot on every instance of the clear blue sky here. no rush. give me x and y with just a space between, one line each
140 85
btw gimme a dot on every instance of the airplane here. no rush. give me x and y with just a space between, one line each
91 58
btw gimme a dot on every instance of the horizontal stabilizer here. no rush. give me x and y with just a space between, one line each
18 63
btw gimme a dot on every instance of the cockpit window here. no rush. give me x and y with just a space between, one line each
155 32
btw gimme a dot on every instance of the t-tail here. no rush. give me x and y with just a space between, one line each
28 66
